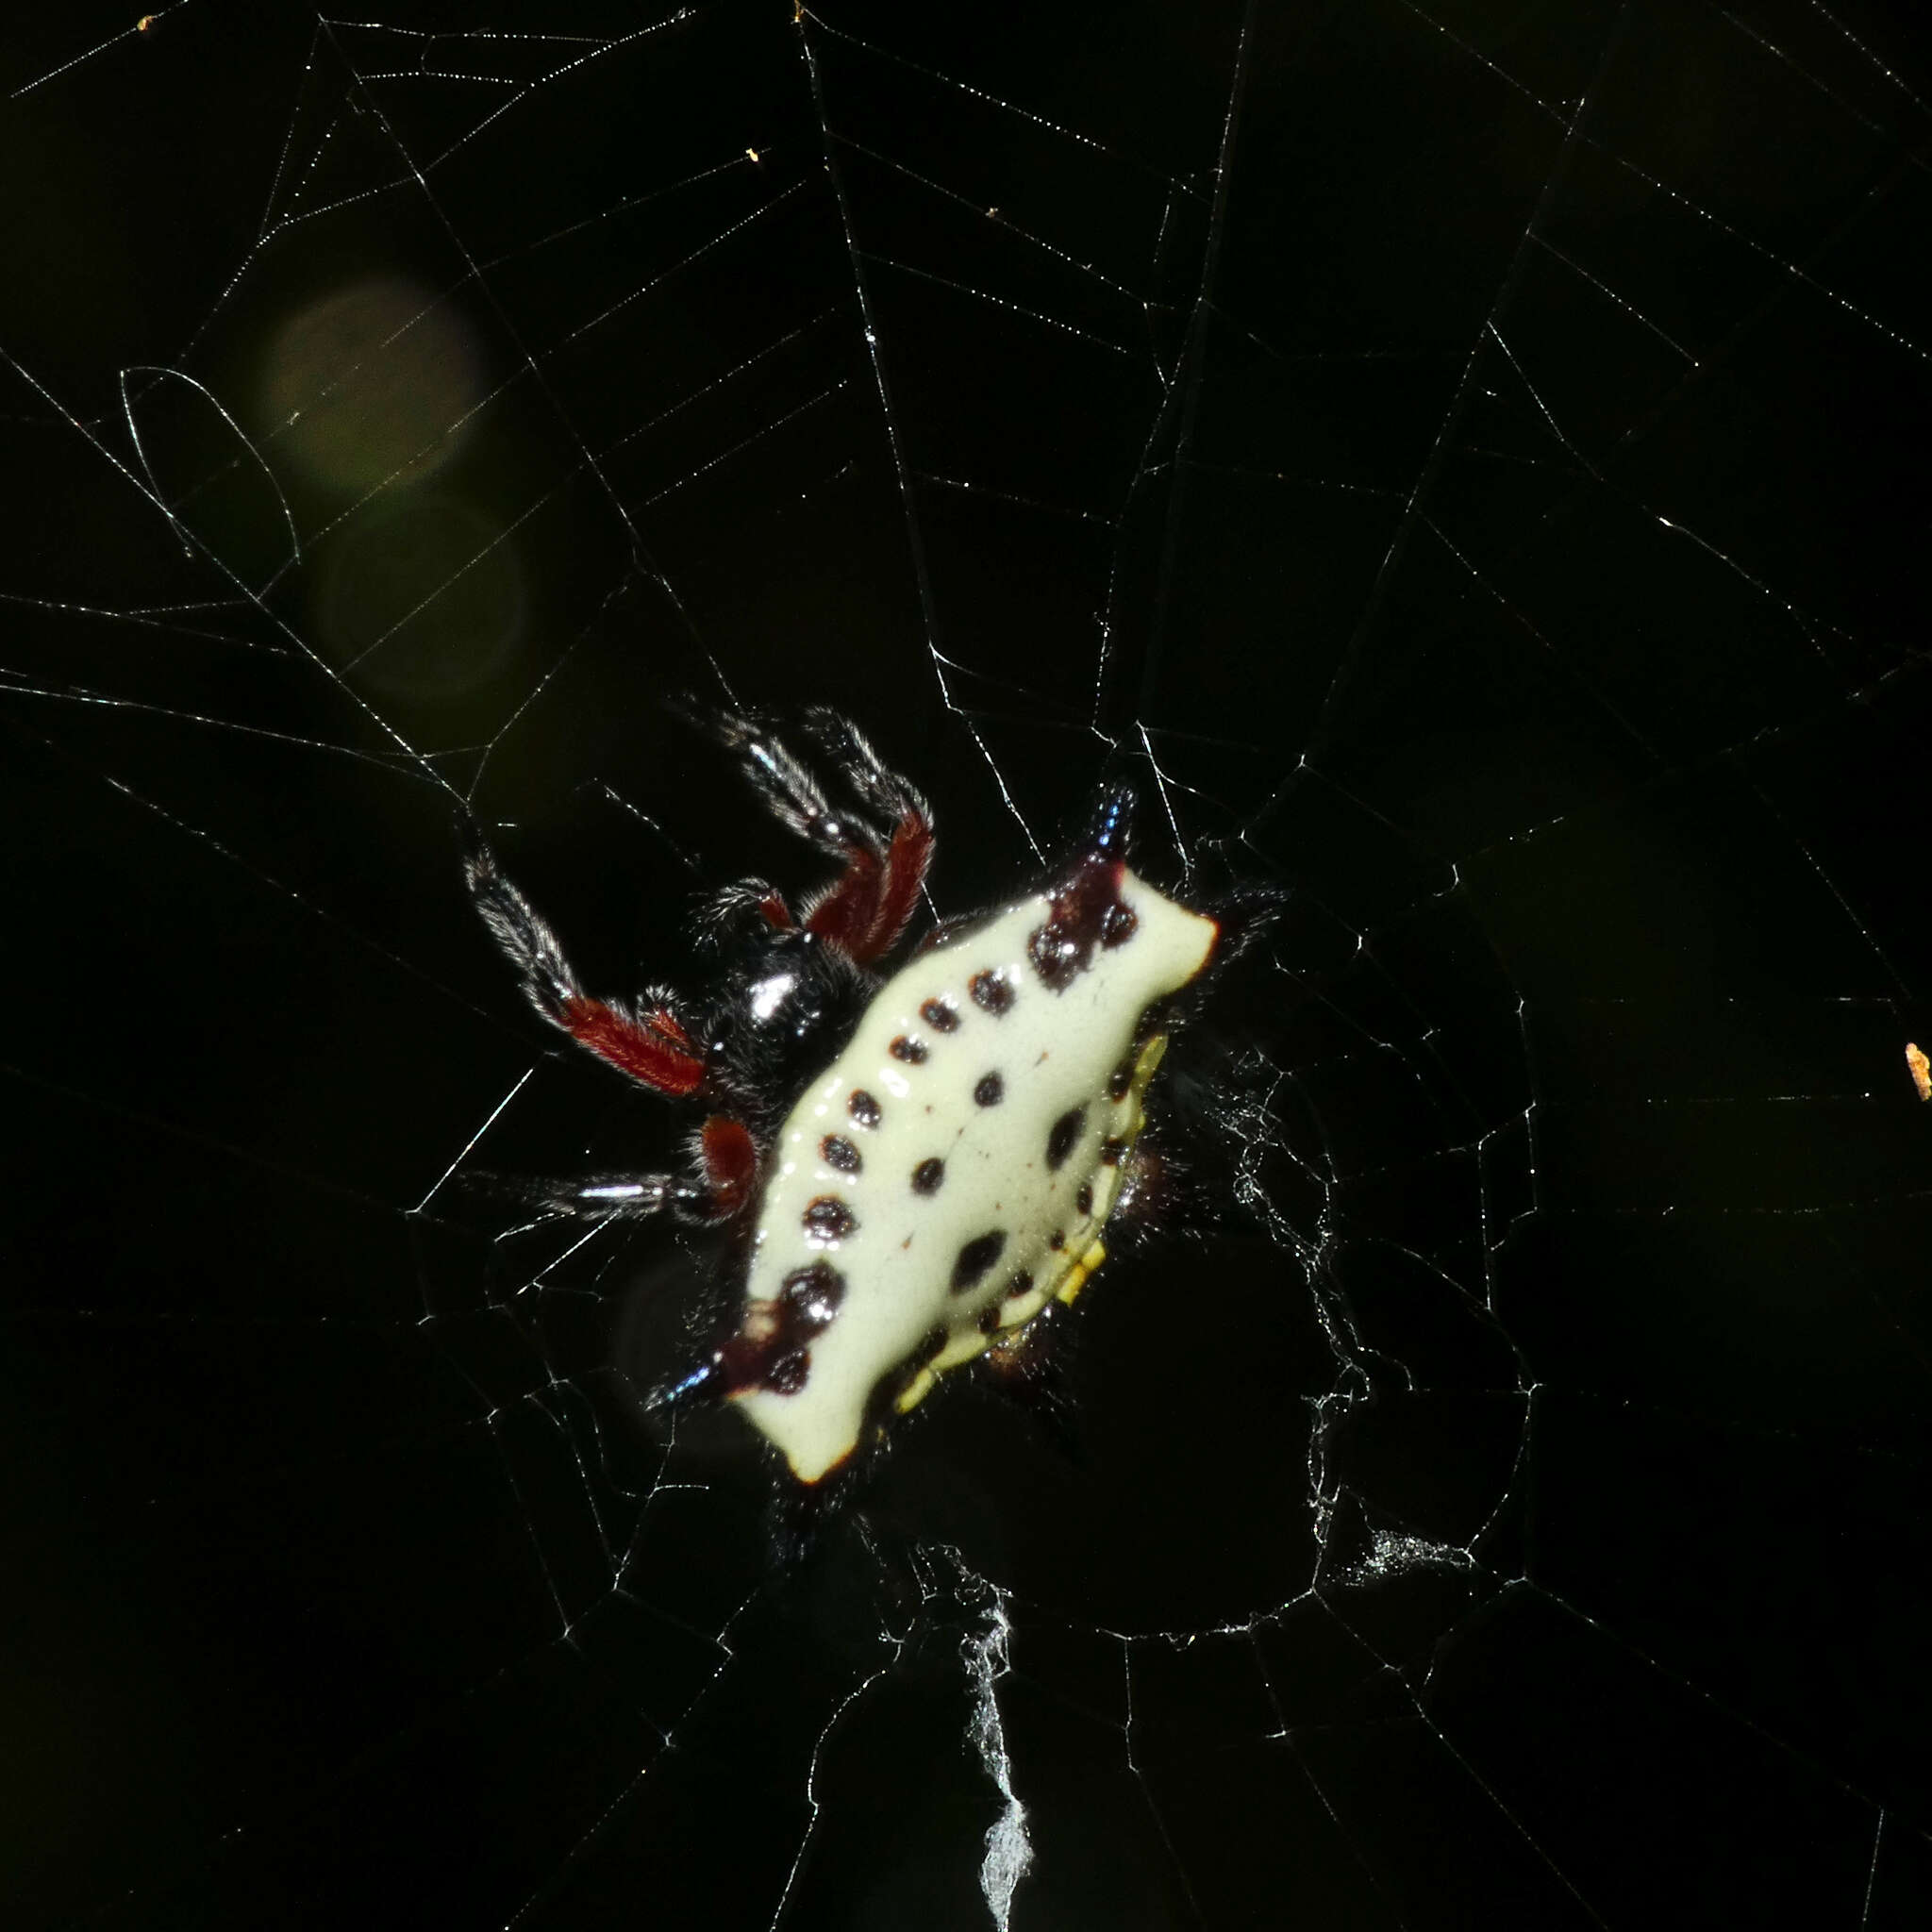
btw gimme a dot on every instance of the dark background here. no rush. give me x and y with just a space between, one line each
1464 464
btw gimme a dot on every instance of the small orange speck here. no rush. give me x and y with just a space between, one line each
1921 1070
752 152
142 26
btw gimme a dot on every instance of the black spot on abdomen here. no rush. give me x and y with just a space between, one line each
991 991
1065 1132
826 1219
834 1150
811 1298
975 1259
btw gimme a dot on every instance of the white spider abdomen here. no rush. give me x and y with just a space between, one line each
950 1173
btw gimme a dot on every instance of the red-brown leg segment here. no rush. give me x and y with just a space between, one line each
905 864
866 909
653 1048
843 911
731 1162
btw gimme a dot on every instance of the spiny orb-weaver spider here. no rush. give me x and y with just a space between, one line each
915 1167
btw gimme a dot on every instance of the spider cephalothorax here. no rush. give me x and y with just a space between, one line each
918 1165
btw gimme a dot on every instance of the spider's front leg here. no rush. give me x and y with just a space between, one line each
865 909
650 1043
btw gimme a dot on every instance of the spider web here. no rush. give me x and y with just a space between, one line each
1462 463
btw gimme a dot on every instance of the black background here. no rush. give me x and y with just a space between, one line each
1476 454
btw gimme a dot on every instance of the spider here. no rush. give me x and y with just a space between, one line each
912 1169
